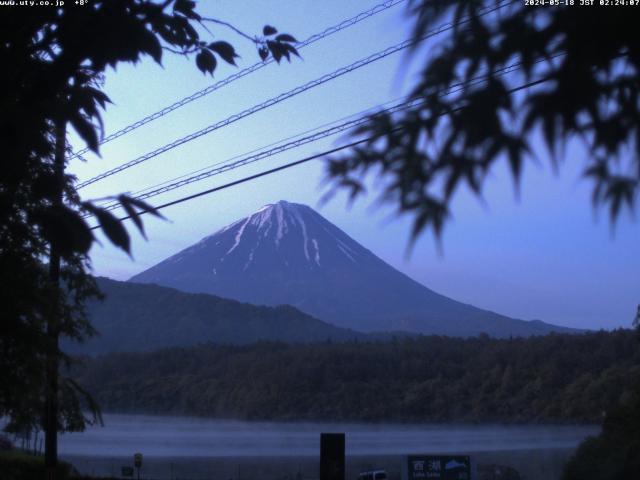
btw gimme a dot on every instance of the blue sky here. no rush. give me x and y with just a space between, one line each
547 255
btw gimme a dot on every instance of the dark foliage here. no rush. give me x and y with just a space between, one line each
555 378
615 453
16 465
583 64
54 61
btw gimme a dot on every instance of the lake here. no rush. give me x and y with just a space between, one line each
179 447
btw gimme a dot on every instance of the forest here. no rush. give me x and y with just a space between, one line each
553 378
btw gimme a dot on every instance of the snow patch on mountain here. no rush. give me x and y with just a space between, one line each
281 222
274 222
305 238
317 256
238 236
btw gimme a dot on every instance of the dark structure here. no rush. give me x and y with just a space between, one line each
332 463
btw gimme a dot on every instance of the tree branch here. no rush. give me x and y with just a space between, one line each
180 52
228 25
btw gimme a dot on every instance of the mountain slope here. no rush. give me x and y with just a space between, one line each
136 317
287 253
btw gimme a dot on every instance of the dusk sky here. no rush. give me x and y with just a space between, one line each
545 255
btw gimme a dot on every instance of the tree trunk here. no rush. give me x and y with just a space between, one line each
51 402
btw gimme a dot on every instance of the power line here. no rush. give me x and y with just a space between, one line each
251 157
247 179
303 160
262 155
453 89
316 134
242 73
244 158
283 96
255 150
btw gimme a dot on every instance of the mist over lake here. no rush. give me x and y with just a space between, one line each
161 436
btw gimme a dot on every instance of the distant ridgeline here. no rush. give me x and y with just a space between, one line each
555 378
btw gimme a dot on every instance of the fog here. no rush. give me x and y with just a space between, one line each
159 436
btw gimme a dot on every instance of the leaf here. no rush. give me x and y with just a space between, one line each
149 43
185 7
86 131
225 50
515 149
65 229
111 227
129 205
263 52
291 48
275 49
269 30
131 212
205 61
285 37
98 96
80 236
146 207
619 191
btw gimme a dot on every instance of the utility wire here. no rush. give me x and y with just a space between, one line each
262 155
251 157
247 179
261 148
242 73
284 96
107 202
304 138
303 160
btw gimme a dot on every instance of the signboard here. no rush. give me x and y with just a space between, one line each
439 467
137 460
127 472
332 456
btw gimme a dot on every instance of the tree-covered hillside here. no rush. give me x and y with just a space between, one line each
566 378
135 317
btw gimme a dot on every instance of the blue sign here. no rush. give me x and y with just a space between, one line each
439 467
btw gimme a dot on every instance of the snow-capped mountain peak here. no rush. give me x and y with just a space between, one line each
281 230
286 253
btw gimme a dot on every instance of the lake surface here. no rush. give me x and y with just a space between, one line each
159 436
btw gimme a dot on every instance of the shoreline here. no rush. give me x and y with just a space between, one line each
345 421
532 464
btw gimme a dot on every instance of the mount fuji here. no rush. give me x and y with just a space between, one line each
286 253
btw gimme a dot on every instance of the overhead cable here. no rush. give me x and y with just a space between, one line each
301 139
242 73
281 97
299 162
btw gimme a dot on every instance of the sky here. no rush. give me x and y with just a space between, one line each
542 254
